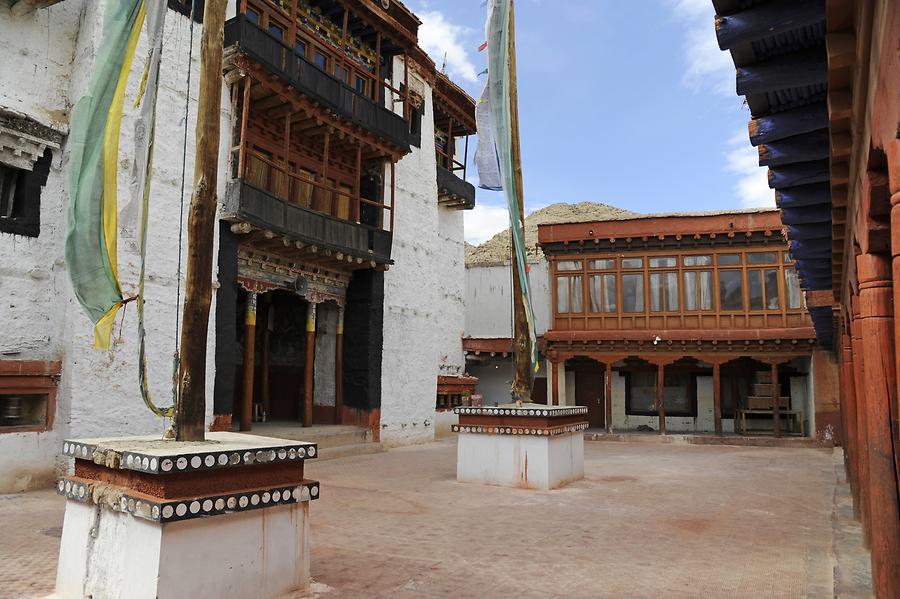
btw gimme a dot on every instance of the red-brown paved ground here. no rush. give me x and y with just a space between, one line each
648 521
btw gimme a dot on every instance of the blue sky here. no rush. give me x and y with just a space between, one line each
627 103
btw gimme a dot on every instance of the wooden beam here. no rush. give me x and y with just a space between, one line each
841 49
801 173
783 72
800 148
803 195
190 413
789 123
766 21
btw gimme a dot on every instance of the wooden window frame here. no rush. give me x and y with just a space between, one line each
31 377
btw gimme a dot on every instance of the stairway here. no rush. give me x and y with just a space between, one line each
334 441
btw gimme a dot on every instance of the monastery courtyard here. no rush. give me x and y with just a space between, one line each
648 520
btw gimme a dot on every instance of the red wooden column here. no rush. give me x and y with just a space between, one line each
717 362
339 367
848 411
876 313
309 371
892 150
608 396
554 392
249 366
862 430
776 400
660 362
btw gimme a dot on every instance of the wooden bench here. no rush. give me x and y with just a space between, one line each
795 419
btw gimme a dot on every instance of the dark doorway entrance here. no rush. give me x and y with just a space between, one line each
589 391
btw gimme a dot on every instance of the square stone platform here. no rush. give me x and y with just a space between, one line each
531 447
226 517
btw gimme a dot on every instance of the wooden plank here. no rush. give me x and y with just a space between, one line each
801 173
784 72
767 20
789 123
800 148
190 412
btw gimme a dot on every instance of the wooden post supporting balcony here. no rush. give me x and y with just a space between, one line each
862 409
249 366
661 397
358 205
608 394
876 313
310 368
245 112
848 405
554 392
892 150
776 399
325 185
264 354
378 82
717 398
339 367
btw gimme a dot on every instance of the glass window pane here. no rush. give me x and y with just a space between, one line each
568 265
706 290
703 260
604 264
609 293
632 263
731 293
562 295
633 293
788 259
672 291
762 258
656 292
276 32
792 289
252 16
729 259
771 279
595 292
577 295
662 262
320 60
755 288
690 290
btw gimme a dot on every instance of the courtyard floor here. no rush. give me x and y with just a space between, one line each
649 520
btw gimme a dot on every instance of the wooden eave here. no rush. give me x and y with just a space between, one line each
730 224
455 103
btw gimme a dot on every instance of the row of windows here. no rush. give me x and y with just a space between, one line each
690 289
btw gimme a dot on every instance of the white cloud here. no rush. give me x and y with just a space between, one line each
483 222
708 68
752 187
440 38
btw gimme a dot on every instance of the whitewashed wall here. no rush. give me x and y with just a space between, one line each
488 303
98 393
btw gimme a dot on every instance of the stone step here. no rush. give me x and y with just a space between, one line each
325 436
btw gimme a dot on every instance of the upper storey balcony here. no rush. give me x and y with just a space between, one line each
454 122
335 55
320 122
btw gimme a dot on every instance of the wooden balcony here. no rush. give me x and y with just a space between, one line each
301 228
323 89
454 192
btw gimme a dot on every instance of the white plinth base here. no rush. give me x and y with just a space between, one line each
106 554
525 461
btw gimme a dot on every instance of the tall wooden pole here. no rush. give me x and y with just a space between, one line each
522 381
776 397
717 398
309 372
339 368
609 395
661 396
190 411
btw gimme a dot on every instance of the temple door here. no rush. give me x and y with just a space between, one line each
589 391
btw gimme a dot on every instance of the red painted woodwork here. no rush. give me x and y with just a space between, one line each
848 401
862 429
589 391
876 314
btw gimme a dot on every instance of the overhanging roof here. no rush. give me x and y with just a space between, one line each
779 52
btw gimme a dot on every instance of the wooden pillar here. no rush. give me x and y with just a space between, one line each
776 398
862 429
848 411
245 111
286 162
876 313
268 323
717 398
358 205
339 367
378 82
309 371
892 150
660 397
324 181
393 188
249 366
554 394
609 396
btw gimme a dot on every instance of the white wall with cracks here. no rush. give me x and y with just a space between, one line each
39 318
